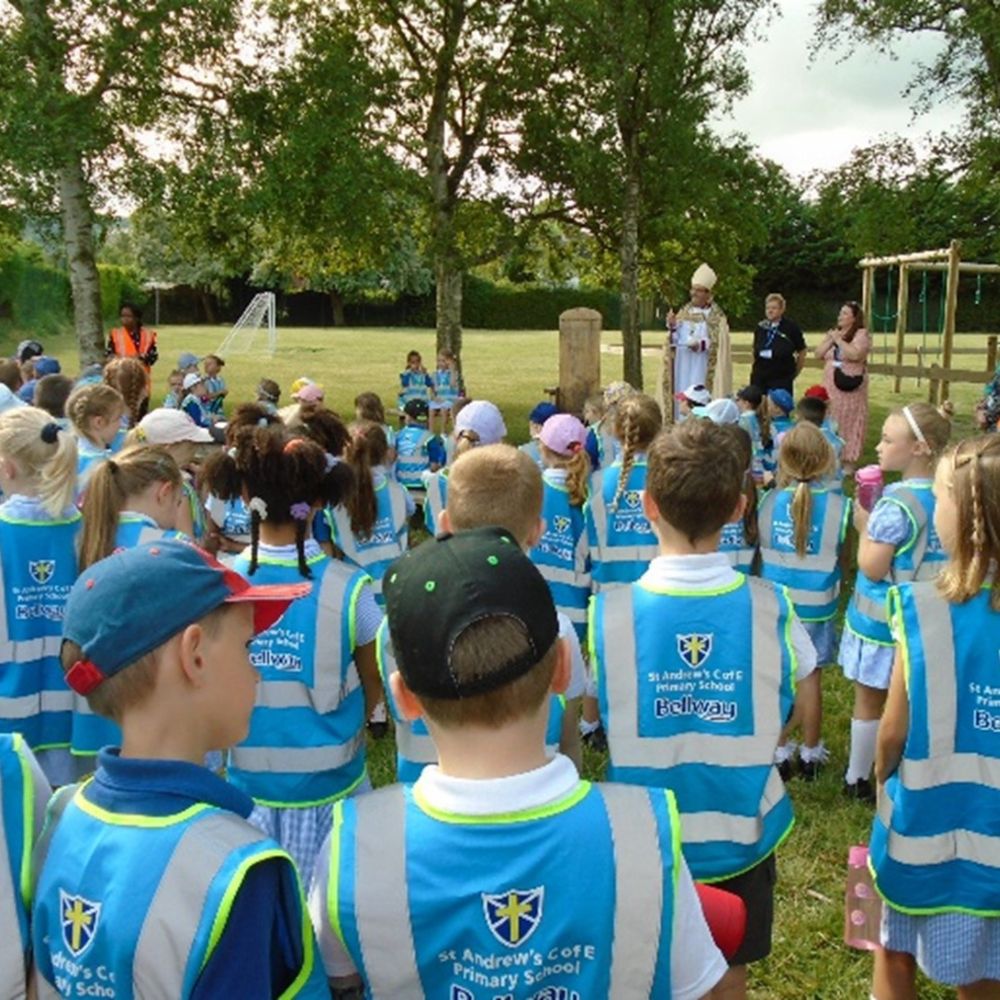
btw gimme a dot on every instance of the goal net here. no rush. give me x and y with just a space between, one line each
253 327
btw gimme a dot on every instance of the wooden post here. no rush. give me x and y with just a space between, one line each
991 353
920 366
867 280
951 308
579 357
933 385
902 303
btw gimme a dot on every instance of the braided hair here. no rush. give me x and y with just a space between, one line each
281 477
637 421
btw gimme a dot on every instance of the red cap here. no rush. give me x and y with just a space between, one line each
817 392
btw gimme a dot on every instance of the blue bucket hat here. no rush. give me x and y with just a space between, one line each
782 398
542 412
114 629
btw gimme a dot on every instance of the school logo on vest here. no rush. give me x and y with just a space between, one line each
79 918
695 648
561 523
633 499
41 570
513 916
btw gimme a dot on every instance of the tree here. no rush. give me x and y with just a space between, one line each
78 78
619 137
452 73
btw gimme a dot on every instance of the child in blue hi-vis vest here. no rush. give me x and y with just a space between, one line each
448 389
495 484
739 538
562 555
319 679
619 534
368 407
813 409
151 878
24 794
371 528
755 419
39 525
896 543
803 524
95 411
399 917
696 670
935 842
414 382
417 450
133 498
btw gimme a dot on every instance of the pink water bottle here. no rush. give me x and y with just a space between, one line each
863 907
870 484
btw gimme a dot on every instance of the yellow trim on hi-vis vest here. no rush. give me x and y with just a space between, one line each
896 623
714 592
521 816
595 662
27 818
675 834
134 819
47 523
263 560
743 871
333 879
789 645
352 613
342 794
921 912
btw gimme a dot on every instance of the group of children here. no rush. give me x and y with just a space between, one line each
699 569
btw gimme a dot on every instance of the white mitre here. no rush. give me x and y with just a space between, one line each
704 277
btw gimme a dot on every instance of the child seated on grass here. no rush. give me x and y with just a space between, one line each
152 879
478 867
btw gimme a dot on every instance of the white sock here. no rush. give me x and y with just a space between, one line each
863 735
586 728
818 753
785 751
378 713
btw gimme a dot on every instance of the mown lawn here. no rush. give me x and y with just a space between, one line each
512 368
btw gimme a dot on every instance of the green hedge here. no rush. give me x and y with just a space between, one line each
34 296
118 284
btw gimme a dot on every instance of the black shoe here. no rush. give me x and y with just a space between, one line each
378 729
862 790
597 740
785 770
809 769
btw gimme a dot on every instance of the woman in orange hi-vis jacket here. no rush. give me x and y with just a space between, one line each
132 339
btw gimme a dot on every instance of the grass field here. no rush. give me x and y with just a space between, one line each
512 368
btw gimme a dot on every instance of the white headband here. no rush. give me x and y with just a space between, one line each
917 432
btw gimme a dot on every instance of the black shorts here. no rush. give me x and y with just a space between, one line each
756 888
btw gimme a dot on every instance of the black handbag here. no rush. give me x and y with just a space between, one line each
845 382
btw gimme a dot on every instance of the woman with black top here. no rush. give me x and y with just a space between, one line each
779 348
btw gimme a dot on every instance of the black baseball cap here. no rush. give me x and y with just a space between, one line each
437 590
417 409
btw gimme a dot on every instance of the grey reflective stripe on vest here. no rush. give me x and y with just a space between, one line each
620 669
911 502
29 705
706 827
953 845
326 693
348 543
165 942
824 561
435 497
635 943
418 748
876 610
12 948
614 553
382 896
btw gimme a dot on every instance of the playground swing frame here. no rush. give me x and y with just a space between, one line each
948 260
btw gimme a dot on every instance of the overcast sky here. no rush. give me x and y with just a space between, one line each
809 114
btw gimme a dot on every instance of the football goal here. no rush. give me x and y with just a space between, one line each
249 330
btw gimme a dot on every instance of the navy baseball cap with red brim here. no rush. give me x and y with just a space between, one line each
129 604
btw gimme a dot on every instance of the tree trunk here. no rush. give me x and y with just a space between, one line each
85 281
207 300
448 300
337 305
631 330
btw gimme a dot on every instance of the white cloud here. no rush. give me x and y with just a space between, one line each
810 113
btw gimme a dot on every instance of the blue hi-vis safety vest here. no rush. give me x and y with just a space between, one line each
412 459
694 689
622 543
414 747
38 566
445 385
413 385
813 580
92 732
532 450
387 542
514 919
918 559
435 500
132 906
306 743
609 448
561 555
935 843
18 831
734 545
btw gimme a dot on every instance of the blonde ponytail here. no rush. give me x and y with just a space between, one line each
578 478
802 504
44 454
